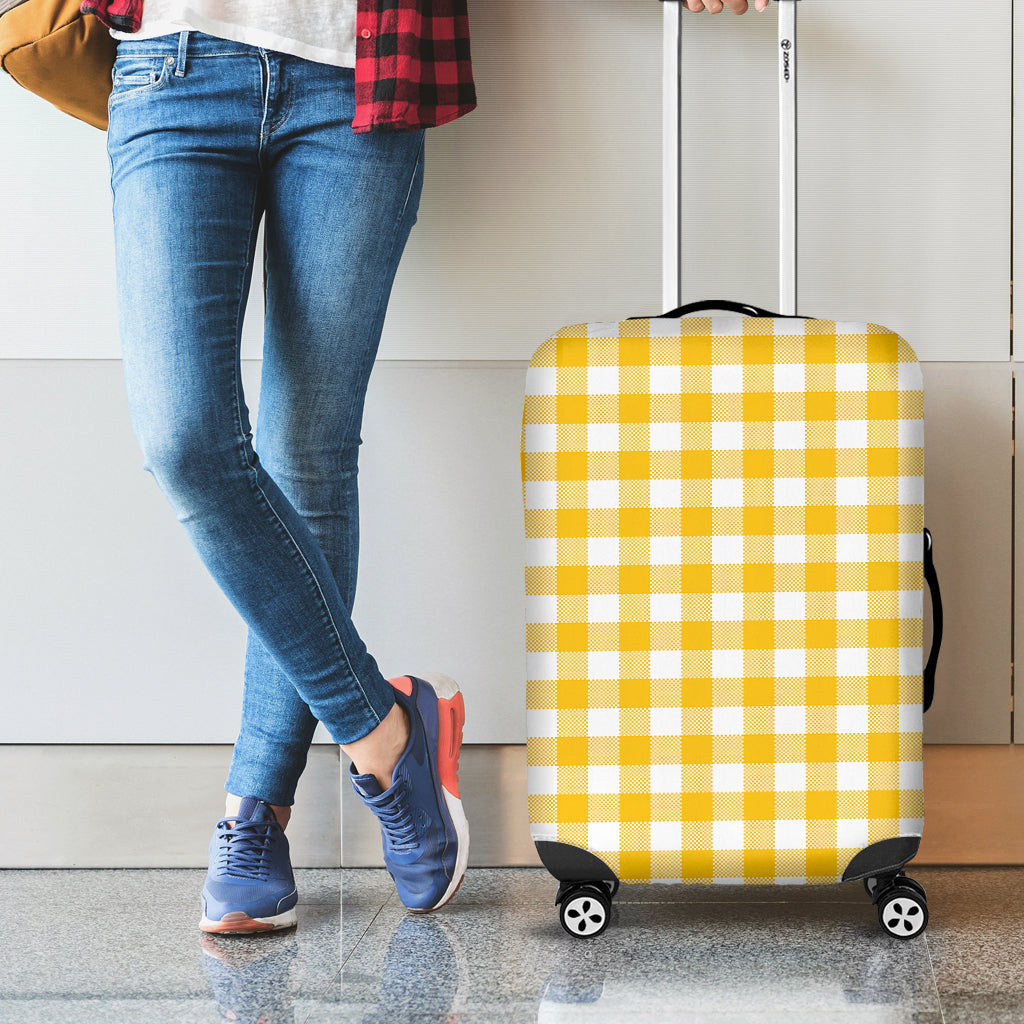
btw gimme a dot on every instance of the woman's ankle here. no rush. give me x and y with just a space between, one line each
378 752
232 803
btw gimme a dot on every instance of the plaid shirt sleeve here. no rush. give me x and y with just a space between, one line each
413 67
122 15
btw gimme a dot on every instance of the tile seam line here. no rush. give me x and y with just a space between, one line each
935 981
362 936
336 977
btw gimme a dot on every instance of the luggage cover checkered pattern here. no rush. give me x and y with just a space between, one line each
724 577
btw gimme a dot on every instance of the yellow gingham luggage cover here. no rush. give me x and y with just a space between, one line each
724 577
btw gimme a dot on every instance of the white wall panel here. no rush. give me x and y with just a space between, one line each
540 207
903 167
968 508
442 543
543 206
111 629
57 260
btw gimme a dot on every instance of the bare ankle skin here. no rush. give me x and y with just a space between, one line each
378 752
375 754
232 803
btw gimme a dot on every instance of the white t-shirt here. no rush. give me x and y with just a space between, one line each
320 30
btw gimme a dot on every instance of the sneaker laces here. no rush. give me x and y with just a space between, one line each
244 848
397 822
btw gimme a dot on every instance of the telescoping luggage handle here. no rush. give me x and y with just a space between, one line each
671 142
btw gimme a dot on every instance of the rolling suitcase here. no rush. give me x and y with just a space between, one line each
724 598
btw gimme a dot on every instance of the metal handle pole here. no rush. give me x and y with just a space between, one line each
787 157
671 139
671 258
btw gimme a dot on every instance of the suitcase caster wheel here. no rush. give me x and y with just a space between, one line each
585 911
903 912
871 885
912 884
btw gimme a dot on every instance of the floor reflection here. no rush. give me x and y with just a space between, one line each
498 954
423 973
699 970
251 976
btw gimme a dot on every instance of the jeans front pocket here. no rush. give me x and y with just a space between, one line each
135 74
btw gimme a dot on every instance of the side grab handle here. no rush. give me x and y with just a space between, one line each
933 587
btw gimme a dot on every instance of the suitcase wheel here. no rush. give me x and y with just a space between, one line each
871 885
903 908
585 910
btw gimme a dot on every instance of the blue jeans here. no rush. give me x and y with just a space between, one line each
205 137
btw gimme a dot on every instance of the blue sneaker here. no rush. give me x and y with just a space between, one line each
423 825
249 886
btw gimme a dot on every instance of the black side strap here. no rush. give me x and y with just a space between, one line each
933 587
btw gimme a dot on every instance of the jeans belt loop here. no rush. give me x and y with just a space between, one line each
179 69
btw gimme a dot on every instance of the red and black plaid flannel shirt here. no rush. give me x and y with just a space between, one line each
413 68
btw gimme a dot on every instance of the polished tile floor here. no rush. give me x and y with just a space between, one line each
122 946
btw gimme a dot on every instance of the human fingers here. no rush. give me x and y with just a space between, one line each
716 6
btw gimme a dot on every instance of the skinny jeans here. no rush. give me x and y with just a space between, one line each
207 137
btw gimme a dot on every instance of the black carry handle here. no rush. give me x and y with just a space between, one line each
933 588
735 307
732 307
